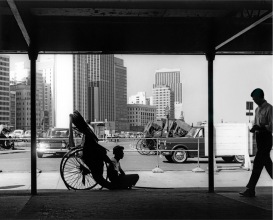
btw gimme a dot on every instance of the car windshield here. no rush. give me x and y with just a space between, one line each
58 133
192 132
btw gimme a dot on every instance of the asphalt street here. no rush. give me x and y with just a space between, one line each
19 161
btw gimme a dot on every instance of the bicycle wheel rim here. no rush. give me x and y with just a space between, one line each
75 173
142 147
64 159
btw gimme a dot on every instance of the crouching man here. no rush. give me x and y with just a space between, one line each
120 180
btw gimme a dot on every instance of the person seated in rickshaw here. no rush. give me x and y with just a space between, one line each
116 175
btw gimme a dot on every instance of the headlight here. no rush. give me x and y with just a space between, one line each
63 144
42 145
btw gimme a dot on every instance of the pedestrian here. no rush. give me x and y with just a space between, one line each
262 128
117 176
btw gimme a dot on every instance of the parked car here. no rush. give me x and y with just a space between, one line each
139 135
17 133
187 147
4 143
121 135
27 134
56 142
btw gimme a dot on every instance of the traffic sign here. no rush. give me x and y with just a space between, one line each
249 105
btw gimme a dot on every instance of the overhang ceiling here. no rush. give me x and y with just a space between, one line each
135 26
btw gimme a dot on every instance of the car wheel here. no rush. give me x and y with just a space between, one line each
40 155
228 159
239 158
169 158
180 156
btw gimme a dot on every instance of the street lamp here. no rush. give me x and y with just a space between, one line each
167 113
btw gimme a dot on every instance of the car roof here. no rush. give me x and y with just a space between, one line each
56 129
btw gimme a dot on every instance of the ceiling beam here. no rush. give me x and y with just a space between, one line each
244 30
19 20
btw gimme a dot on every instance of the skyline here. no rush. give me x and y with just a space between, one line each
234 79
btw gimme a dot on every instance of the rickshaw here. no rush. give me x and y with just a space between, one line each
147 145
84 166
179 129
4 141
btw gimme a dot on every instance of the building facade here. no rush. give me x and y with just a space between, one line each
12 109
139 115
23 106
20 88
139 98
46 65
178 108
4 90
80 85
163 98
120 88
102 83
100 89
171 78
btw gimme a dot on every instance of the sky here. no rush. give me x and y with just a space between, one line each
235 77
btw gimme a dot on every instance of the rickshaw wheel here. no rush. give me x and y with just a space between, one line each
75 173
142 147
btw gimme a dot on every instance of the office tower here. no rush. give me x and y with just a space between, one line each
163 98
23 105
63 90
4 90
171 78
102 87
21 86
46 65
12 109
80 85
120 88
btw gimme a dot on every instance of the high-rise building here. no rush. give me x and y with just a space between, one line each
23 106
163 99
12 109
120 88
101 72
21 87
4 90
171 78
63 90
100 89
46 65
81 83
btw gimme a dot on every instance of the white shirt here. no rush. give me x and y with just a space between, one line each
263 116
116 164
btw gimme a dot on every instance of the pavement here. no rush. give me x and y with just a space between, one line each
167 195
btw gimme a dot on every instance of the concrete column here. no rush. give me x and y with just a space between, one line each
210 57
33 54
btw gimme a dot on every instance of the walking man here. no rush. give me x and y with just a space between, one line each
263 130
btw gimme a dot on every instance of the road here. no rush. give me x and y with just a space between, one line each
21 162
